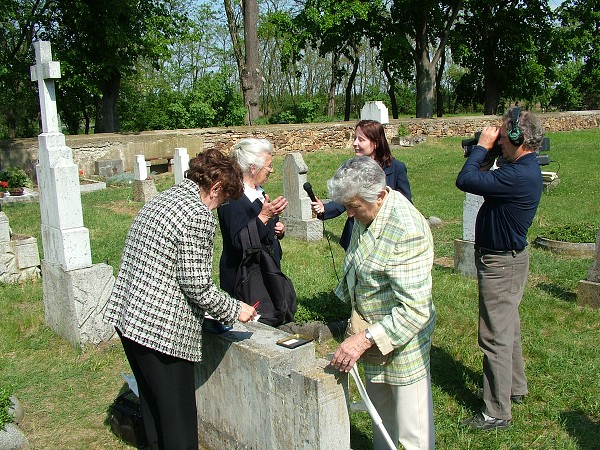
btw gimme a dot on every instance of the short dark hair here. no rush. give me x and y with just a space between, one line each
376 133
212 166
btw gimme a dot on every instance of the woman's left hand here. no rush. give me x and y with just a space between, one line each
350 351
279 230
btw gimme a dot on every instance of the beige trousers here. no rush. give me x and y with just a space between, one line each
407 414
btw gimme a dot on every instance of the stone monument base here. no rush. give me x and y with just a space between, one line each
588 293
74 302
464 258
306 230
144 190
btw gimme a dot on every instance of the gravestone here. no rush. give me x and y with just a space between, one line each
588 290
464 259
298 217
375 111
19 257
75 290
181 163
144 188
108 167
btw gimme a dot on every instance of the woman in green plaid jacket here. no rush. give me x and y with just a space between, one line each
387 279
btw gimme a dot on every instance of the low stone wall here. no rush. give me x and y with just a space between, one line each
87 149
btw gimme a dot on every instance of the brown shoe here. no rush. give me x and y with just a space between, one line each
478 422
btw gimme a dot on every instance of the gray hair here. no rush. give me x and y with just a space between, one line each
248 152
530 126
360 176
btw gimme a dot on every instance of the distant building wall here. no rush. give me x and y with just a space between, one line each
287 138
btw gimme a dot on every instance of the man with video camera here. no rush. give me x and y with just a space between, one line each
511 196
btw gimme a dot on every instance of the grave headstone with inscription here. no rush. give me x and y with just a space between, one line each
297 217
75 290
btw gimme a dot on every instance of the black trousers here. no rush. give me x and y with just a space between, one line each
167 396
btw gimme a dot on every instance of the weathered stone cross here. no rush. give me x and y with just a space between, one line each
45 72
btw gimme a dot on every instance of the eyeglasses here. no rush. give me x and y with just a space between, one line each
270 168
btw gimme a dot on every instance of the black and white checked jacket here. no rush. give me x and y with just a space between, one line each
164 283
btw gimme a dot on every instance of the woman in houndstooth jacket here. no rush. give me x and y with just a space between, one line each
162 291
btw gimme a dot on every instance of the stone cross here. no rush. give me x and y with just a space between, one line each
45 72
181 163
65 240
298 217
75 290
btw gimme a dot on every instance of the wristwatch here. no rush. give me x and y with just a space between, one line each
369 336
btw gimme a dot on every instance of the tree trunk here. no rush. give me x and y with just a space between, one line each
425 87
108 121
392 93
332 85
251 76
349 87
439 97
491 96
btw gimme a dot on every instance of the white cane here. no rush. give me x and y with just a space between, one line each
370 408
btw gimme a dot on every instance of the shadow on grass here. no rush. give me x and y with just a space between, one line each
558 292
323 307
453 378
583 429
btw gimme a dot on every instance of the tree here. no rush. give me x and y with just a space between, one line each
247 60
19 27
425 26
578 41
505 46
336 28
100 42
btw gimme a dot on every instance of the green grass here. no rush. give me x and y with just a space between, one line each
66 392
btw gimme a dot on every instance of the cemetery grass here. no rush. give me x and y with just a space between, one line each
66 392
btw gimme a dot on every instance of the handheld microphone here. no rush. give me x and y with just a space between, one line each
308 188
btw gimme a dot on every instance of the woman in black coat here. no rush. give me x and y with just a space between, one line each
256 161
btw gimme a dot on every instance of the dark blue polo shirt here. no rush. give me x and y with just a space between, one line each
511 196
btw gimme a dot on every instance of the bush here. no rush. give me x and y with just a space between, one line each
576 233
120 179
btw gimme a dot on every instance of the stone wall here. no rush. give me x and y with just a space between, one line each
87 149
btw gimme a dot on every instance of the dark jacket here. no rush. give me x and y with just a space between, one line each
395 177
511 196
233 217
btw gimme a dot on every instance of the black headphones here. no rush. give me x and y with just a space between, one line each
515 135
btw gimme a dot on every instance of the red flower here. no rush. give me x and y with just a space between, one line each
4 184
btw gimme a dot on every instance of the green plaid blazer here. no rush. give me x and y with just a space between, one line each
387 278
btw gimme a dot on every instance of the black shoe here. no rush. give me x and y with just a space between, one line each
518 399
478 422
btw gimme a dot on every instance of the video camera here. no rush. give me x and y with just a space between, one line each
496 150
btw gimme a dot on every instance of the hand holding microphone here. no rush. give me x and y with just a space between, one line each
315 204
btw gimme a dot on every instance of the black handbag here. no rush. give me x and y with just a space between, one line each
259 279
126 420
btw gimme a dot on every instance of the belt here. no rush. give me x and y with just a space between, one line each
498 252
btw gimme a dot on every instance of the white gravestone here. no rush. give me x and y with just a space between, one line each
298 218
144 188
140 169
464 261
375 111
75 291
181 163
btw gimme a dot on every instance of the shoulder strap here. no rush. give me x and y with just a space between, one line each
249 237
